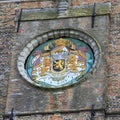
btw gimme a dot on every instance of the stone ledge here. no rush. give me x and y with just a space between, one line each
72 11
87 10
67 111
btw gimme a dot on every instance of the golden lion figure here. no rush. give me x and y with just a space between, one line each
59 64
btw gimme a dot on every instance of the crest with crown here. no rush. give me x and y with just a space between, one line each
60 51
61 42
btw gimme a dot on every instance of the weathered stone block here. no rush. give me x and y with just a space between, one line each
30 46
34 42
39 39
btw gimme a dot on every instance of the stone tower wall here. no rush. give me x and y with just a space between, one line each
10 47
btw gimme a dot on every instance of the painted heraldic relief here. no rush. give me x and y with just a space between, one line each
59 62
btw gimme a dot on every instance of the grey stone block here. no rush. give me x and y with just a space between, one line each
62 33
93 44
30 46
44 37
96 53
50 35
21 69
67 33
39 39
56 34
27 51
21 59
23 54
34 42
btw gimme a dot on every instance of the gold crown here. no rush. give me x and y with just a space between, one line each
61 42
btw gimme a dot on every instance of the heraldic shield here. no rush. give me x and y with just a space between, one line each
58 65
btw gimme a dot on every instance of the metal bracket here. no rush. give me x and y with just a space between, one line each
93 15
11 115
92 113
19 20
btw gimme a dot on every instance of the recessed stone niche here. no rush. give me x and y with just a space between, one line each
27 95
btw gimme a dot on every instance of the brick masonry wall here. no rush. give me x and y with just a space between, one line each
7 34
113 59
8 38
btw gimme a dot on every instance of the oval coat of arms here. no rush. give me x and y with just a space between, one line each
59 62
